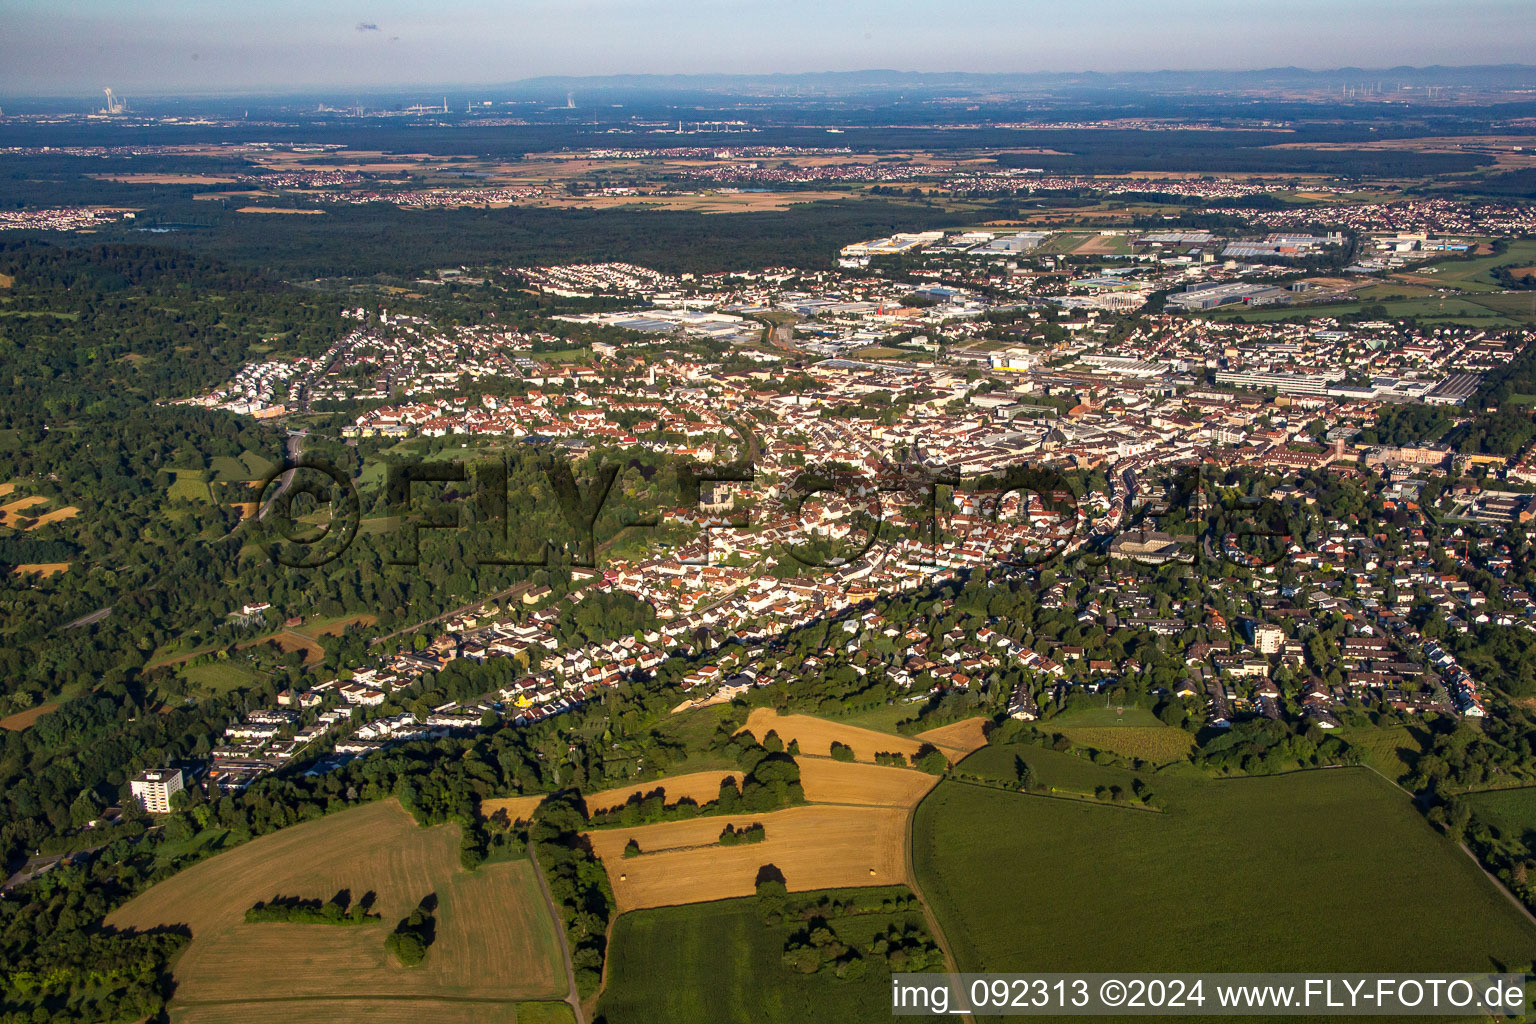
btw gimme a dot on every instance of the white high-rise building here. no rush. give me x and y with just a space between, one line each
154 789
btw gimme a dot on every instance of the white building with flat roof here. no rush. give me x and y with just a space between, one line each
154 788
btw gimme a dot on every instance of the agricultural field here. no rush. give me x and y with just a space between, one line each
189 485
853 832
815 846
1128 731
1287 873
249 466
700 787
24 719
1155 745
1065 771
1464 310
495 938
329 1011
42 569
816 736
32 512
1091 717
965 736
1391 750
841 782
1515 305
719 962
518 808
1476 274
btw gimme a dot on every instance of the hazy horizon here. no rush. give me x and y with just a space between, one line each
285 46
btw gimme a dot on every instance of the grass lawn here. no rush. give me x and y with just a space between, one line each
1054 769
1324 870
1130 731
1154 744
881 719
228 469
1101 717
189 484
1476 273
692 729
219 676
1393 750
1515 305
719 963
545 1013
1510 811
212 838
1461 310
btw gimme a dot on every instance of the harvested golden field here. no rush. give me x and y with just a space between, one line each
23 719
816 847
518 808
1157 744
701 787
6 280
495 938
841 782
57 515
275 209
967 736
43 569
816 736
330 1011
6 488
13 512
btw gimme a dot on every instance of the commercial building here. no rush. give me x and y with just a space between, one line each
1209 296
1283 383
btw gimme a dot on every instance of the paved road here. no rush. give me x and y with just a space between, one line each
86 620
293 449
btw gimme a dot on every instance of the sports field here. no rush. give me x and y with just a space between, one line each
495 939
718 962
1324 870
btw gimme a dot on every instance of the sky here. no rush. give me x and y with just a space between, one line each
159 47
